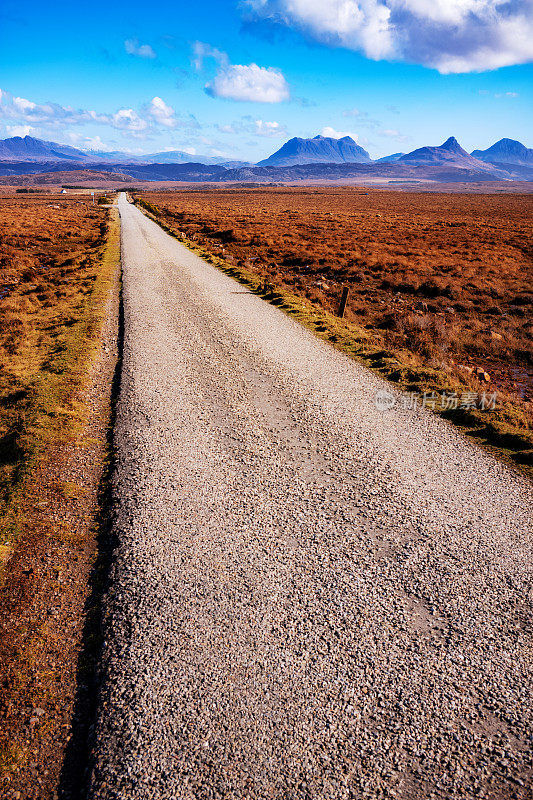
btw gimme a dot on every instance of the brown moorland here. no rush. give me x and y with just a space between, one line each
440 284
48 248
58 277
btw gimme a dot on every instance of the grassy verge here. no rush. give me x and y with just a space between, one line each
51 513
504 430
51 371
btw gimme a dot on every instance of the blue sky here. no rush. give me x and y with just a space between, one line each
239 78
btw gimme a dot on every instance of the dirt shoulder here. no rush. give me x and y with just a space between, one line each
54 518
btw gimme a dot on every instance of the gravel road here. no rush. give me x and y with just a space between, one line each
312 598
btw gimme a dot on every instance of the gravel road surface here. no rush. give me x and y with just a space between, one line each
312 598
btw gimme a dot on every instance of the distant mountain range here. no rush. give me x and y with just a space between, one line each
320 150
320 158
37 151
165 157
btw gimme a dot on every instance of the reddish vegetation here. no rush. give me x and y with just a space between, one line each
39 232
50 250
47 250
446 277
48 247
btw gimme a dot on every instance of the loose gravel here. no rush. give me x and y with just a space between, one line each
312 598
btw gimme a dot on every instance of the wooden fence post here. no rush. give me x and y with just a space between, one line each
344 300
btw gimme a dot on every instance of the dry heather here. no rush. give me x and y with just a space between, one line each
58 305
49 247
439 283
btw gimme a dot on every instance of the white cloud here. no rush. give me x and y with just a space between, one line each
264 128
227 129
250 83
95 143
162 113
242 82
450 35
19 130
333 134
127 118
134 48
392 133
23 105
363 118
254 127
202 50
358 24
498 95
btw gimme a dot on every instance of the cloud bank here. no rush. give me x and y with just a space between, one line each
22 115
451 36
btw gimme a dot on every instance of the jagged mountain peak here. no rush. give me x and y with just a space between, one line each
319 149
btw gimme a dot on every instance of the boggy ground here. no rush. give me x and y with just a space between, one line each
58 326
440 283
